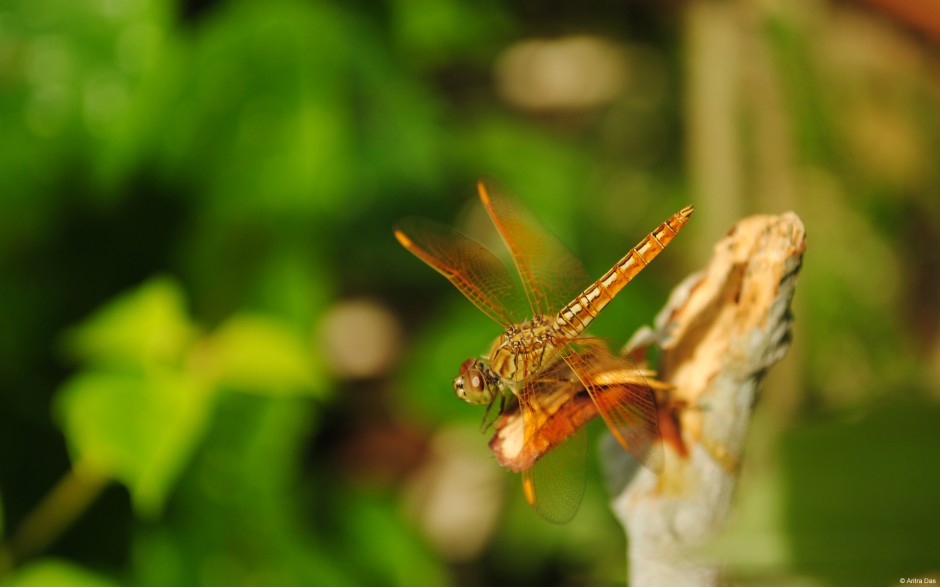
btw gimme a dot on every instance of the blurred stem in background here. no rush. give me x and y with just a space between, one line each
56 512
712 46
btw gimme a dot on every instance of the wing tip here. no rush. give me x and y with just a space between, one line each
654 459
403 239
528 490
483 190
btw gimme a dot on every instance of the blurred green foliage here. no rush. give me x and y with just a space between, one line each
865 516
57 572
141 405
188 189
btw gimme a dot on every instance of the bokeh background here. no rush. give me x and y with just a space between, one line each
217 366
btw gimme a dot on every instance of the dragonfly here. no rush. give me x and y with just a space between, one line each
546 375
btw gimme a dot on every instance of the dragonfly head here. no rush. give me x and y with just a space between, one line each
476 383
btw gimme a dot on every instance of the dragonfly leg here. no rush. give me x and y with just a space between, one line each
499 412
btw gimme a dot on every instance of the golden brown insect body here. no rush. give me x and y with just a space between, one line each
527 349
560 379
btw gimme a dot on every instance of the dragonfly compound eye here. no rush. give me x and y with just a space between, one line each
471 384
466 366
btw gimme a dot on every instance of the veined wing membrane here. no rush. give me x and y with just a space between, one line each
623 399
554 484
551 276
466 263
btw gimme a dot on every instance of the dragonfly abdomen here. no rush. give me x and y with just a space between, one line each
575 317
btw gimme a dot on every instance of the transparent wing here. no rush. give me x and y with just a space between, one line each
553 484
622 397
466 263
551 276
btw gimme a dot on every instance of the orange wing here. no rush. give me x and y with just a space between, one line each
553 454
622 396
551 276
470 266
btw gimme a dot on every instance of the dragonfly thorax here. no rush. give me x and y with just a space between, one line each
524 349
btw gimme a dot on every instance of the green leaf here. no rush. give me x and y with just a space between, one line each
47 572
145 326
140 428
263 355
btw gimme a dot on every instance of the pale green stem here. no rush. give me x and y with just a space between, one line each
56 512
